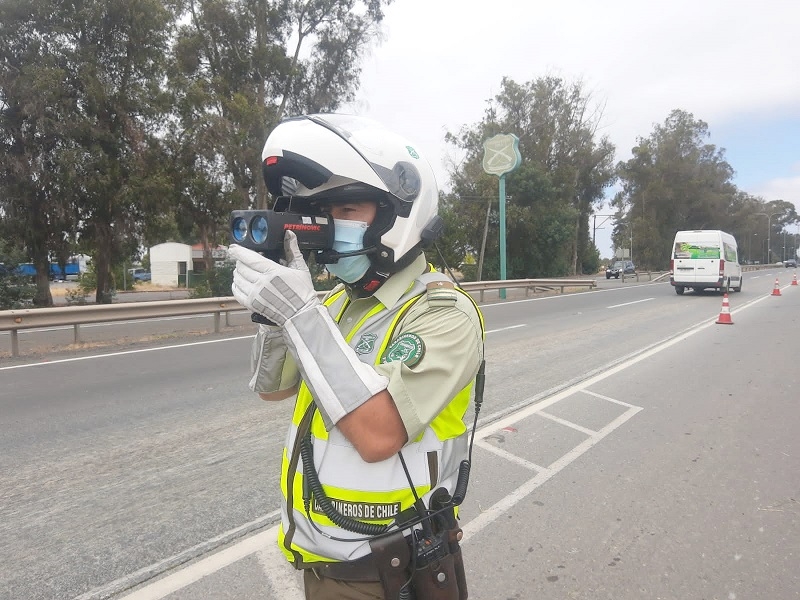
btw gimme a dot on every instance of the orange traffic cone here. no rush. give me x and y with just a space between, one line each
776 291
794 278
725 314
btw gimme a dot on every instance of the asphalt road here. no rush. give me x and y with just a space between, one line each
118 466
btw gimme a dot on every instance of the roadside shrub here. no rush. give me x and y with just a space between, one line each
216 283
16 291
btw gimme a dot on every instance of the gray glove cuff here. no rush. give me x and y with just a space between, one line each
267 360
337 379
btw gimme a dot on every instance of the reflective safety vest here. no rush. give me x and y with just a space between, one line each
368 492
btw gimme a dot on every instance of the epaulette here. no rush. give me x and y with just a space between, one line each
440 290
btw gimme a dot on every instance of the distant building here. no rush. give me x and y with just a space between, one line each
173 264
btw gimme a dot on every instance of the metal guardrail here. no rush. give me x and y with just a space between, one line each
31 318
59 316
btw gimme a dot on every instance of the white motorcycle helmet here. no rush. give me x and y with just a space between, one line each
326 158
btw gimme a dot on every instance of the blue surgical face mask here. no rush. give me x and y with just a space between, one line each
348 236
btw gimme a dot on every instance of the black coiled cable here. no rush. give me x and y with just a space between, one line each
311 483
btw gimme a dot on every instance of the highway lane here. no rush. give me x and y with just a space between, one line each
114 463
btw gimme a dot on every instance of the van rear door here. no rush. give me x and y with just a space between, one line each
697 261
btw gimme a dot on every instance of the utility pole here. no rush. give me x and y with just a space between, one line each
769 232
595 227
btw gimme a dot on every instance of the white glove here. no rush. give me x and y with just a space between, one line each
272 367
275 291
285 295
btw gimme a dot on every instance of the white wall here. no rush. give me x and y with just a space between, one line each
164 260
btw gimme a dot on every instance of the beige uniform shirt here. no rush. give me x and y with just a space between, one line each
452 338
453 347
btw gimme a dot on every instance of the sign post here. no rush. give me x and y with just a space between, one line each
500 156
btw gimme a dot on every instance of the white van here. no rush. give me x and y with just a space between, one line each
705 258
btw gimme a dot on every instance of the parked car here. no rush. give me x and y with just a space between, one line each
140 274
792 262
620 267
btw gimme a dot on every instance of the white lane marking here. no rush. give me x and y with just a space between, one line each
629 303
505 328
485 518
283 579
199 570
513 458
171 347
572 295
607 399
137 577
125 352
566 423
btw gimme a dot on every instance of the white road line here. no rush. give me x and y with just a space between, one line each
629 303
513 458
506 328
477 524
124 353
135 578
565 423
197 571
283 579
607 399
171 347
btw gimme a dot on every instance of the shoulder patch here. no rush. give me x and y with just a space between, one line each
407 348
441 293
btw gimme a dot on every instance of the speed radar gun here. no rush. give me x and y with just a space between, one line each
263 231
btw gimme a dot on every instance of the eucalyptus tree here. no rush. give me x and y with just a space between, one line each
675 180
240 66
566 165
34 136
81 101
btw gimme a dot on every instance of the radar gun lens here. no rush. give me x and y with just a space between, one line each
239 229
259 230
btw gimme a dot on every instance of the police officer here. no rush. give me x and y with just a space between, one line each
382 369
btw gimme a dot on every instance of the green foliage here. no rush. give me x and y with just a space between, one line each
16 291
215 283
129 123
591 261
549 198
75 297
677 181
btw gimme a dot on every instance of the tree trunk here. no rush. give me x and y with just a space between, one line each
43 295
103 270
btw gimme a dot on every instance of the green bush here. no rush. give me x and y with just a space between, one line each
16 291
216 283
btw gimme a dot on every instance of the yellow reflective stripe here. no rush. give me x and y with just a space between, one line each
449 423
307 555
318 427
285 474
375 310
333 299
393 325
477 309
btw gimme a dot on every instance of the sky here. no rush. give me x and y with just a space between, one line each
734 64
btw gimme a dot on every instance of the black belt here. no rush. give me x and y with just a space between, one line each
362 569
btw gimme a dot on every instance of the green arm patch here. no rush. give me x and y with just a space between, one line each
407 348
